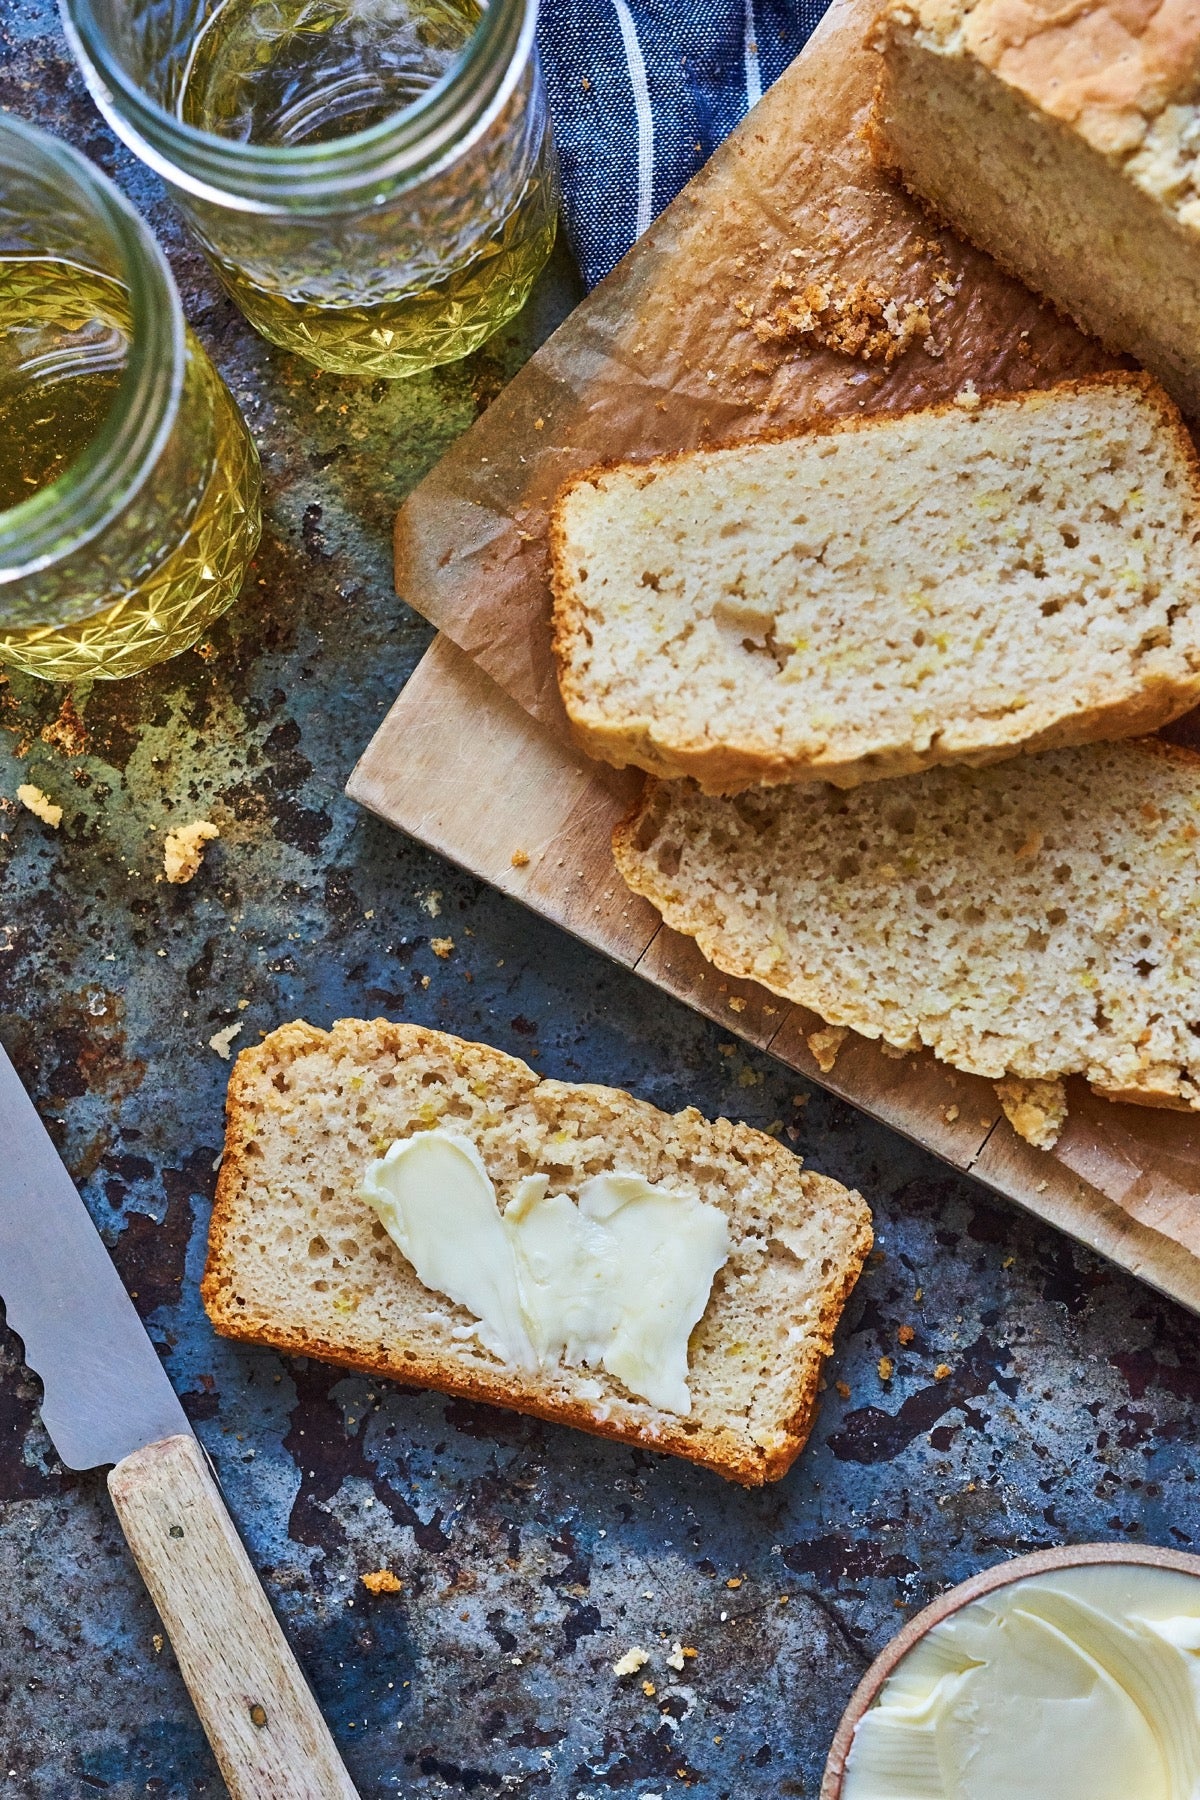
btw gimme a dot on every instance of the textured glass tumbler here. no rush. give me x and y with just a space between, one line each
373 180
129 486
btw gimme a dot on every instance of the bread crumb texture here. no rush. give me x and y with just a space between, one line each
40 805
183 851
1032 921
825 1045
382 1581
221 1041
298 1259
1036 1110
858 319
881 595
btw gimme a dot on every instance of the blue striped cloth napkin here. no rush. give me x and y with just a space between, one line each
642 91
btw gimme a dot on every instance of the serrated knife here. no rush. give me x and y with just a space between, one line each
107 1400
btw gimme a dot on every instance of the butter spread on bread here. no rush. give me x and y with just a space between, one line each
617 1280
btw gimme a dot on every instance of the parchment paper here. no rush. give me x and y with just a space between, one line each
681 346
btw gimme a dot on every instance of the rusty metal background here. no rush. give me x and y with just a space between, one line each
530 1557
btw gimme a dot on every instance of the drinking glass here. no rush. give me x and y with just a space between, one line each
372 180
129 485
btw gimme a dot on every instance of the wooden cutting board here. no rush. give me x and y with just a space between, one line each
676 348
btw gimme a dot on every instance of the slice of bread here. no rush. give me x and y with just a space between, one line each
1063 142
299 1260
883 595
1037 920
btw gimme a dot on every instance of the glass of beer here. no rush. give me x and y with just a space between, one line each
129 485
372 180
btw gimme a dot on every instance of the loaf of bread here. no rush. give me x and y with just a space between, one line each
1033 921
1064 141
948 586
297 1258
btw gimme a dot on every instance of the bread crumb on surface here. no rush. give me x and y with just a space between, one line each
183 851
843 1388
825 1045
857 319
675 1659
441 946
382 1581
905 1334
67 732
950 1114
39 804
887 1368
1036 1110
942 1372
967 398
520 859
634 1659
649 1689
221 1040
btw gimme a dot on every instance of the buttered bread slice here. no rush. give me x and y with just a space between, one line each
418 1207
1034 921
948 586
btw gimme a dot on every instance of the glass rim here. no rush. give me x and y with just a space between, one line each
318 178
91 491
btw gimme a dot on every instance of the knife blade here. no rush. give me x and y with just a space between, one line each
106 1392
107 1399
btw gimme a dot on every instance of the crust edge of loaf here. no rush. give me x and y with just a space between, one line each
676 917
732 766
893 37
729 1453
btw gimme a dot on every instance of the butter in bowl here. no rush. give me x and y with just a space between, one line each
1073 1674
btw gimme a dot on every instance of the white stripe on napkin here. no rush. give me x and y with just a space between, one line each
753 71
645 117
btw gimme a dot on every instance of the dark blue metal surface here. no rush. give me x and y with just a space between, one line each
531 1557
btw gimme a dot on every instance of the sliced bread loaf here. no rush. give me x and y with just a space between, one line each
1064 141
1036 921
883 595
298 1259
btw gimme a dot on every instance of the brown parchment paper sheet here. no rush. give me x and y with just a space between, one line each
664 355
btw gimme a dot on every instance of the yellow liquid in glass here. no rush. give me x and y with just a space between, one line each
64 333
288 72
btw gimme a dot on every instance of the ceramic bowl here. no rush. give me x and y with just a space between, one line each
1042 1562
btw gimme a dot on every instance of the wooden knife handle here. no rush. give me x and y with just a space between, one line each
266 1729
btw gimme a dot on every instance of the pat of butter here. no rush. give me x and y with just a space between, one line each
1078 1685
617 1281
